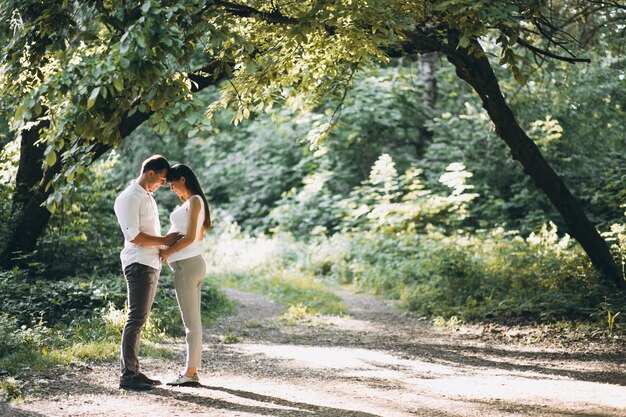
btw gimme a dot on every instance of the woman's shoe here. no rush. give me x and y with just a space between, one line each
185 381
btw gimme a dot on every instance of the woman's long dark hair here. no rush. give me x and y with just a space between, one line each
192 183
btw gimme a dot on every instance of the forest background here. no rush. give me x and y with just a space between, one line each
395 184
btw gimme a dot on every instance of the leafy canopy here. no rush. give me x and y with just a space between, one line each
78 69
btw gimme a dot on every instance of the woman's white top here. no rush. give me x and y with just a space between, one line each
179 219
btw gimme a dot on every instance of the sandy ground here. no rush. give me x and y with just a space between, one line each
375 361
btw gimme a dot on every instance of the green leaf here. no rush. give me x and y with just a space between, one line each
118 83
141 41
19 111
518 75
250 67
124 44
51 158
92 98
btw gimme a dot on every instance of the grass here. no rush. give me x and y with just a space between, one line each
26 359
229 339
104 351
30 351
294 289
294 314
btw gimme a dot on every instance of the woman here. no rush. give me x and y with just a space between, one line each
185 258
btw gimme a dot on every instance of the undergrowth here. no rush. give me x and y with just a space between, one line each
80 321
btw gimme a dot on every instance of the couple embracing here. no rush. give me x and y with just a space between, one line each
144 251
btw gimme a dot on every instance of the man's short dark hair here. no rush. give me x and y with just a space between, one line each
156 163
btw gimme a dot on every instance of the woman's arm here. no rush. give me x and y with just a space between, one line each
192 228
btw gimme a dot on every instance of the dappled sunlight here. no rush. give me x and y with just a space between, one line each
363 368
372 363
410 208
9 156
349 324
341 358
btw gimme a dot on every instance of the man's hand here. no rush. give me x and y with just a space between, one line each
172 238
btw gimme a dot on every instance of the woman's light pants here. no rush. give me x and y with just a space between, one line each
188 276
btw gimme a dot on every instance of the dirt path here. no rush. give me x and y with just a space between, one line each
374 362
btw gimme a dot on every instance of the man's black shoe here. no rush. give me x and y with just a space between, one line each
134 383
142 377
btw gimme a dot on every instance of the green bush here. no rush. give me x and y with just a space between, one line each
29 297
80 320
477 276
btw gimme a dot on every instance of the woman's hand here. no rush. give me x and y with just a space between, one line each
164 254
172 238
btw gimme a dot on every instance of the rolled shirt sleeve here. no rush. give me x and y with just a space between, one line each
136 213
127 211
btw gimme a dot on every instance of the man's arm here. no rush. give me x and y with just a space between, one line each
127 212
144 239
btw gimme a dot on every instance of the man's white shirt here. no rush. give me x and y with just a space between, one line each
136 212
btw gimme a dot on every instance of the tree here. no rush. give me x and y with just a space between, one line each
75 73
68 116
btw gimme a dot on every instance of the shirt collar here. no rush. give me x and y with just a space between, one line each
134 185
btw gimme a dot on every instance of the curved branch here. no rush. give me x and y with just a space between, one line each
549 54
242 10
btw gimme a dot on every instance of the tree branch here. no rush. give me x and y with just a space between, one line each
549 54
275 16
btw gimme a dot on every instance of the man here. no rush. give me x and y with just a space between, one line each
138 217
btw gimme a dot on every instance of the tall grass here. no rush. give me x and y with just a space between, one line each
495 274
276 267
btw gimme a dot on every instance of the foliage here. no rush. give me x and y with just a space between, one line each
271 267
492 274
616 236
74 63
55 301
229 339
73 236
81 75
576 125
295 313
392 202
245 169
382 114
84 67
462 132
334 154
76 320
289 288
390 246
484 275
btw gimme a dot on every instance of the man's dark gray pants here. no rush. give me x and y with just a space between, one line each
141 285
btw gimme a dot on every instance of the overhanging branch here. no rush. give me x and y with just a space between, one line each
242 10
549 54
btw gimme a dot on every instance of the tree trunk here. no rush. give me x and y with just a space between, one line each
427 64
479 74
28 217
